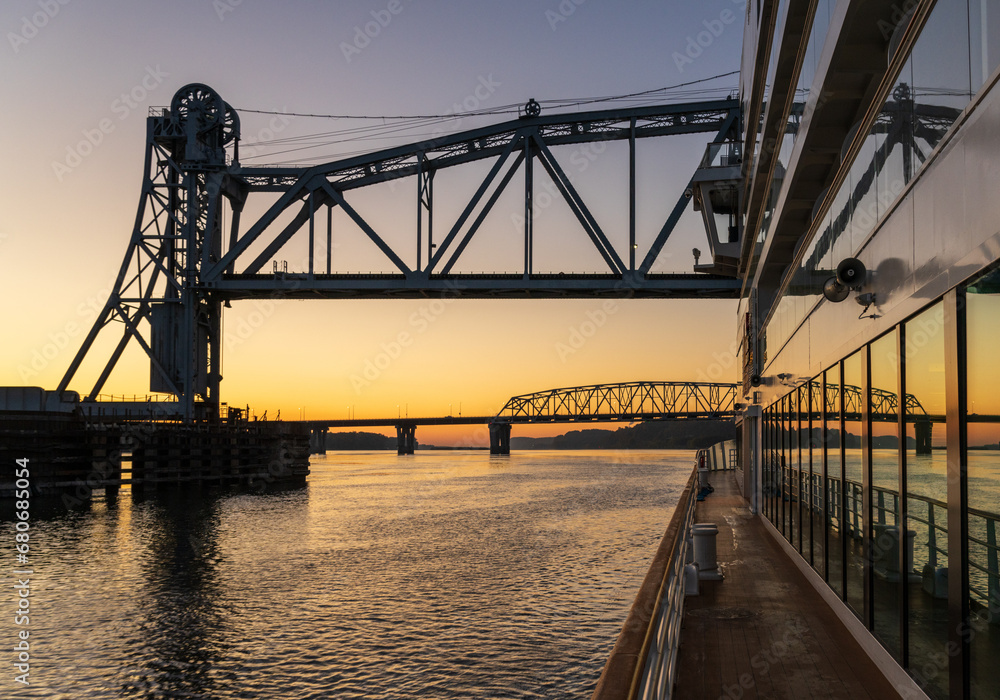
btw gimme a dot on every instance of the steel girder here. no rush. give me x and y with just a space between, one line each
630 401
179 268
513 146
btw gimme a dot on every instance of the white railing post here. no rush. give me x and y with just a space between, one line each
993 575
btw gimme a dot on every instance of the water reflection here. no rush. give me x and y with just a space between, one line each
179 622
430 576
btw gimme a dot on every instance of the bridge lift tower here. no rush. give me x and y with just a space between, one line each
178 230
182 267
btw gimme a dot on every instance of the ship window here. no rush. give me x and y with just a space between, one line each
927 498
793 473
767 474
864 193
854 520
897 155
984 39
941 75
774 482
816 491
983 515
885 531
805 476
786 451
834 482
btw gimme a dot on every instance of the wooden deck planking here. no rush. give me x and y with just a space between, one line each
764 632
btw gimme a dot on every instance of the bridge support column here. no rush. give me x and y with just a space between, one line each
406 438
499 438
923 435
317 441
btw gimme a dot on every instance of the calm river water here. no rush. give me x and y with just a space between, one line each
439 575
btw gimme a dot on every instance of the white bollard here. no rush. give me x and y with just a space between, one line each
702 477
704 551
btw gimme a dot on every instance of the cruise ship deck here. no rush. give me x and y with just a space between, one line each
764 631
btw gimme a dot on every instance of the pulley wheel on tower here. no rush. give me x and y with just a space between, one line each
198 101
230 125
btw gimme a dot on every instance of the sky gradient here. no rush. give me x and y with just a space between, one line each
80 78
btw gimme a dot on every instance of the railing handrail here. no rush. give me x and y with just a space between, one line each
624 667
935 528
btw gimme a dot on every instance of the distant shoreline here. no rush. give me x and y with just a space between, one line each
651 435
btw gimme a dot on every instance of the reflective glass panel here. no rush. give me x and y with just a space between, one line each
786 451
767 475
983 403
792 483
816 502
885 529
926 498
854 521
984 39
941 72
834 483
805 495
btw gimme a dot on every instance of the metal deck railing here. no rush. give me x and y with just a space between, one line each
643 663
926 518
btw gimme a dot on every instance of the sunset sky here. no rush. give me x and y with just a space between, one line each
76 72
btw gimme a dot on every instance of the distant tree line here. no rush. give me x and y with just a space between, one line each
359 441
651 435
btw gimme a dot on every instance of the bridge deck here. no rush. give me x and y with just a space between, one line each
764 631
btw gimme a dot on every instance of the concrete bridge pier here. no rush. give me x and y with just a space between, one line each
923 436
317 440
406 438
499 438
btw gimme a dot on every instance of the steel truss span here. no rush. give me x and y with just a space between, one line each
631 401
515 148
191 250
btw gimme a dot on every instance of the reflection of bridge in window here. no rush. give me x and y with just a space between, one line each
906 123
884 407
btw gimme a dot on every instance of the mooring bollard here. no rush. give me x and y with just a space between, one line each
691 579
704 551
